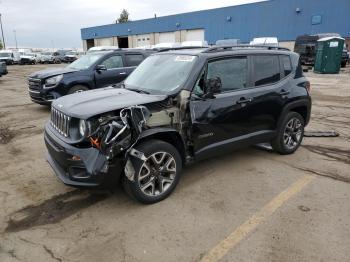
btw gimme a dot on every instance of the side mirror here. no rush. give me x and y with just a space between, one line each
100 68
212 86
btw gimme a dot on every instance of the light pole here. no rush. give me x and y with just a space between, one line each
2 33
14 32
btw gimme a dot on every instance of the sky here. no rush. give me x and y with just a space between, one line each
57 23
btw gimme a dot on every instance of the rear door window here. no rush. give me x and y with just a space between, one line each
266 69
231 71
133 59
286 64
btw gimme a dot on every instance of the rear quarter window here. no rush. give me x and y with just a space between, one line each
266 69
286 65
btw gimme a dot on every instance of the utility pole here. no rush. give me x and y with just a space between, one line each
14 32
2 33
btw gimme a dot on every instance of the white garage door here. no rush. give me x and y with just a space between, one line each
195 35
105 41
143 40
168 37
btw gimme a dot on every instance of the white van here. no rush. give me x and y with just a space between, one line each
10 57
271 41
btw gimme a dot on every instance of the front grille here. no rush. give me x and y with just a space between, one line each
34 83
60 122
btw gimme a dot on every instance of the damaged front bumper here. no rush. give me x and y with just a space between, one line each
80 167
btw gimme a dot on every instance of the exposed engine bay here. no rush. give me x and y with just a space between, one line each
116 135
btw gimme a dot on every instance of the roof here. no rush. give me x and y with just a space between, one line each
269 18
329 38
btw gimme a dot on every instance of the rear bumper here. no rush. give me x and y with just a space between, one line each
91 170
69 59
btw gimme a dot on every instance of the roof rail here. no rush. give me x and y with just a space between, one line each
231 47
164 49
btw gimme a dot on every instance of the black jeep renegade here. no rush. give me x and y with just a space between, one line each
177 107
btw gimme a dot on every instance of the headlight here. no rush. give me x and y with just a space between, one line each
52 81
82 127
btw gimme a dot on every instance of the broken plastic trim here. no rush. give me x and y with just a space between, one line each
119 134
129 169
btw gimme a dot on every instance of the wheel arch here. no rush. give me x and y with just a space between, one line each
303 107
79 84
168 135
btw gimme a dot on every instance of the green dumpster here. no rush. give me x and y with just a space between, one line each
328 55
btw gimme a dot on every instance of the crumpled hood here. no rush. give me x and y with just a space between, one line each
98 101
51 72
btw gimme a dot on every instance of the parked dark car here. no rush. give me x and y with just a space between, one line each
178 107
3 69
305 46
94 70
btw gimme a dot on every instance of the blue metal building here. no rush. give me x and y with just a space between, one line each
285 19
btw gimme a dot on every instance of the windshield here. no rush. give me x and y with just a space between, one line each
5 54
161 73
47 53
71 53
85 61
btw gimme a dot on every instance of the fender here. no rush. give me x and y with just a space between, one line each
166 134
305 102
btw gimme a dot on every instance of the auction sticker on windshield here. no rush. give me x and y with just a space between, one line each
184 58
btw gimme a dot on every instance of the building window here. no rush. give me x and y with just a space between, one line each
316 19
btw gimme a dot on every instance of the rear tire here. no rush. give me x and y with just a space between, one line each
290 134
77 89
157 177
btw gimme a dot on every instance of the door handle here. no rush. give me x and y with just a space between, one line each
122 73
284 92
244 100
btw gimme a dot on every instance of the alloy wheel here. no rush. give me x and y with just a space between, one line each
157 174
292 133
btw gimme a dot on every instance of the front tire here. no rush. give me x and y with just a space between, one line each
156 177
343 64
290 134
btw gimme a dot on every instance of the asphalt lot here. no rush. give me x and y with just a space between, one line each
251 205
